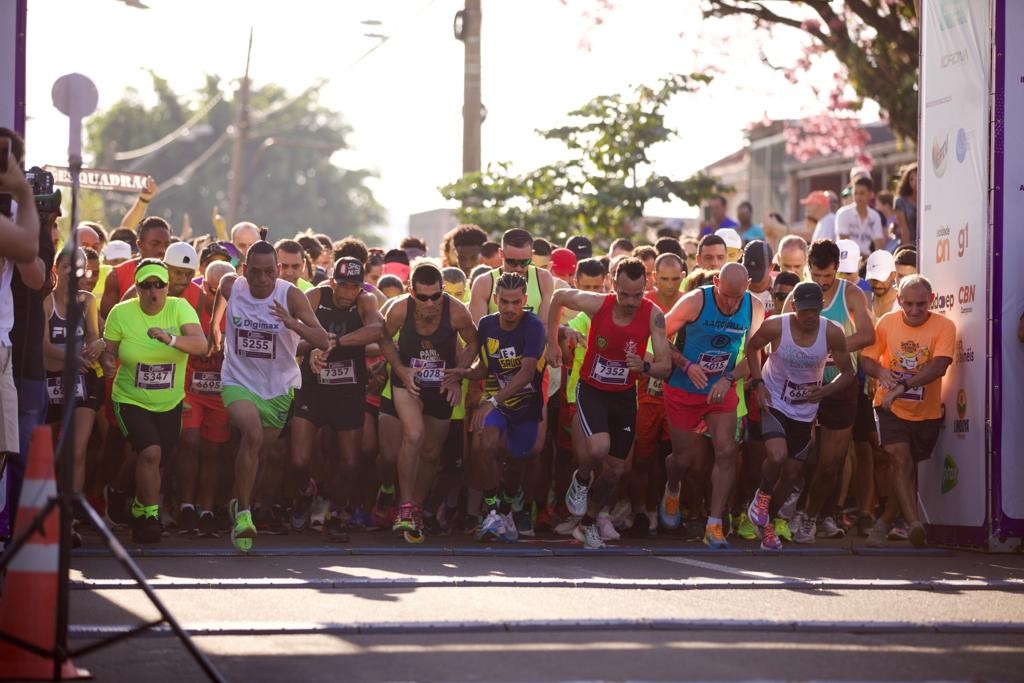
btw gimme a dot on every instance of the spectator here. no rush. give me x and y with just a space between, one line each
714 216
906 206
746 228
884 206
414 247
906 263
243 236
858 222
541 252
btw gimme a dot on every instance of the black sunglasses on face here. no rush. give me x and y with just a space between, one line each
521 262
780 296
151 285
429 297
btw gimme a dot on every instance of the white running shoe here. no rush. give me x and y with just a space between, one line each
318 512
577 495
804 534
589 536
621 514
829 529
566 526
606 528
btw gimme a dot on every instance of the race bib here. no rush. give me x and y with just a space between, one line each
912 394
796 394
610 371
159 376
714 363
655 386
430 372
337 372
256 344
55 389
205 382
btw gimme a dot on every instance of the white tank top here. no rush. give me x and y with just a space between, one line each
792 370
259 349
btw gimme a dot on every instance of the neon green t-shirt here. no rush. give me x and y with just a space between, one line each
304 285
101 284
581 323
151 374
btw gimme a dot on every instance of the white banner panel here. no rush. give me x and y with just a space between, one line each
953 234
1010 178
10 63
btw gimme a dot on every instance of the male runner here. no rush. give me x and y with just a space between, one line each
334 385
846 306
154 235
621 324
789 394
427 321
713 322
508 419
266 318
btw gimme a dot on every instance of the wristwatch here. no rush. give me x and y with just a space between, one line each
647 368
755 383
729 376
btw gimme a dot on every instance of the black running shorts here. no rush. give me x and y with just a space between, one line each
797 434
608 412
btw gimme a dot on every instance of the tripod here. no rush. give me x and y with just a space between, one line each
75 98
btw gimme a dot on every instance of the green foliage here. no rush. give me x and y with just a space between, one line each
290 184
604 184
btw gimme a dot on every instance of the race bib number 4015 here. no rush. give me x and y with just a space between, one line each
714 363
256 344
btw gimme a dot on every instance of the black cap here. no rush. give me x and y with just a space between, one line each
580 246
348 269
808 296
396 256
757 259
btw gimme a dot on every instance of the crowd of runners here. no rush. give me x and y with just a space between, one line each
728 384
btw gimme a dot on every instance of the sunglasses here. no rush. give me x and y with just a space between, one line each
521 262
146 286
781 296
429 297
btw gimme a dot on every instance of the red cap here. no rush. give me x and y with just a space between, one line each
400 270
816 197
563 263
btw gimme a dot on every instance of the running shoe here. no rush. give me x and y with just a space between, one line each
302 506
693 529
589 536
757 511
898 532
878 535
606 528
864 524
445 519
207 527
524 520
334 531
621 514
640 527
566 526
277 520
471 524
188 520
416 533
577 495
147 529
491 527
544 520
318 513
244 531
509 531
714 538
430 525
360 519
788 509
805 533
382 516
745 529
404 521
829 529
782 529
769 541
669 512
917 535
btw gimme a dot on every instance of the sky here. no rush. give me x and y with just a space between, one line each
540 59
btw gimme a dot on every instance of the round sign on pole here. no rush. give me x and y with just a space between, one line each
75 96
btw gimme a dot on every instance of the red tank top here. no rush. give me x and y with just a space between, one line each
125 273
604 365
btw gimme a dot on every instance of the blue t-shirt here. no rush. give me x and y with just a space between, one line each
503 352
755 232
726 223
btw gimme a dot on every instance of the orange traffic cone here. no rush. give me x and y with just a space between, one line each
28 608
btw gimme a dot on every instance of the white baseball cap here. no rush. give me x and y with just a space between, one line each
881 265
731 237
849 256
117 250
181 255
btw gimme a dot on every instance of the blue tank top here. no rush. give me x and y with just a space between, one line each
713 341
839 313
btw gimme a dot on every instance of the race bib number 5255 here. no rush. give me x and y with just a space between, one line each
256 344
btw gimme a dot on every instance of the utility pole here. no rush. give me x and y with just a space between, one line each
236 181
467 29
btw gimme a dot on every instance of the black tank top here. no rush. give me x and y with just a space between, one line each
58 327
431 353
344 363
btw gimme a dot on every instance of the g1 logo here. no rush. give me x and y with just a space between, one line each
961 240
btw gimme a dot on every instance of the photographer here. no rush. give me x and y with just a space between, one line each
29 283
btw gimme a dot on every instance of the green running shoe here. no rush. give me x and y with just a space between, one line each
244 531
745 528
782 529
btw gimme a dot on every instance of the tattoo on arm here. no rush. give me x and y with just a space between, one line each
659 320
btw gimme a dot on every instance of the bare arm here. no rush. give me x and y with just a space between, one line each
93 343
769 332
836 340
685 311
661 366
191 340
373 324
19 239
300 319
109 299
519 380
857 304
139 207
902 227
546 283
479 296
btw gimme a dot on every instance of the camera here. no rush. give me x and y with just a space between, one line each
47 198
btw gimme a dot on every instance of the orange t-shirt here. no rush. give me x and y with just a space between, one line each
905 350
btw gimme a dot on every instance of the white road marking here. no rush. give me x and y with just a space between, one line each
726 569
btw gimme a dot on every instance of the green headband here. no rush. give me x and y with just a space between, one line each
151 270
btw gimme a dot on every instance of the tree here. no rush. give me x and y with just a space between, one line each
290 185
603 187
875 41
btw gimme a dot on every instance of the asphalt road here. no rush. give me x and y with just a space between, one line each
380 610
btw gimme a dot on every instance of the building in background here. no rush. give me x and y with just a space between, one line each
430 226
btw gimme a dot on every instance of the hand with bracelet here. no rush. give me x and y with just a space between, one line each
695 372
162 336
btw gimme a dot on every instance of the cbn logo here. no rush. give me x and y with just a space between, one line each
950 474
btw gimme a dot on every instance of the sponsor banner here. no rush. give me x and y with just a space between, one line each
100 179
953 232
1008 205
